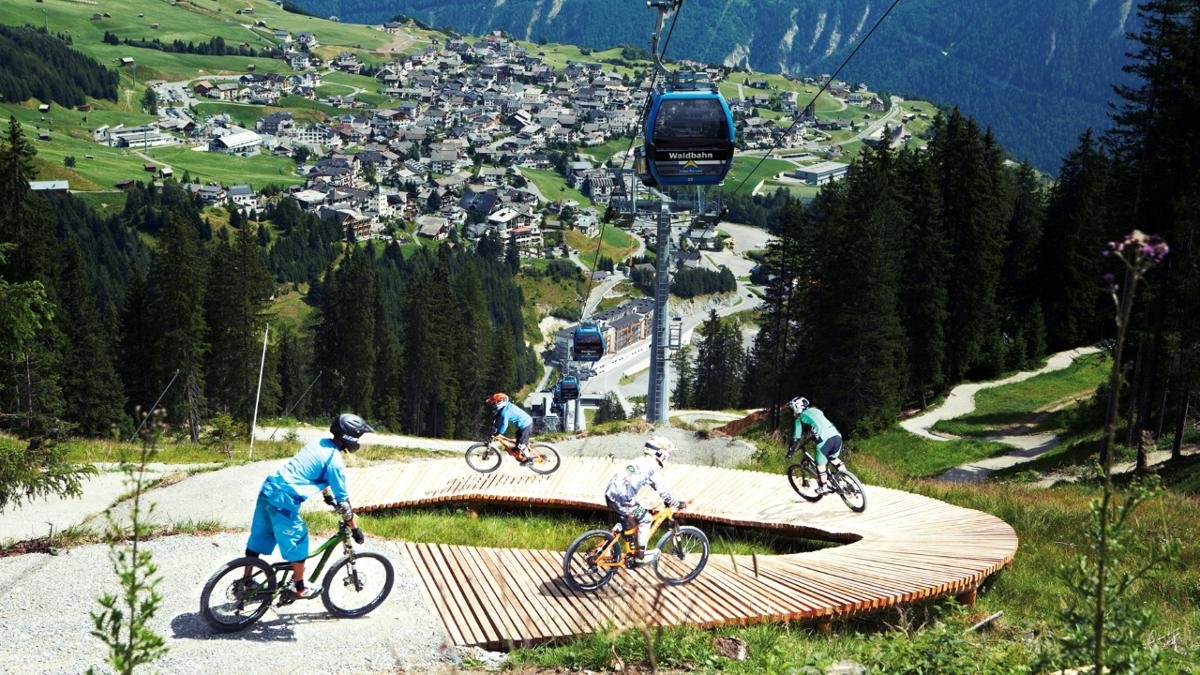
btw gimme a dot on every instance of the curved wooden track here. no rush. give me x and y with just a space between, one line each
903 548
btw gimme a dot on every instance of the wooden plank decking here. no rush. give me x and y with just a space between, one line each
903 548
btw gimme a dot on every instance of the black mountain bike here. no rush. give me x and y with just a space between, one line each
242 591
803 477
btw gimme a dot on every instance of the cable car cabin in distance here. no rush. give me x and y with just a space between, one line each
588 344
568 388
688 136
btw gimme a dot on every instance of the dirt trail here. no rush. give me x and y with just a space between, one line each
961 401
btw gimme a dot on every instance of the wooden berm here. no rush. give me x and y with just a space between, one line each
903 548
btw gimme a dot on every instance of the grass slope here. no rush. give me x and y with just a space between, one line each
615 244
1031 404
553 186
742 167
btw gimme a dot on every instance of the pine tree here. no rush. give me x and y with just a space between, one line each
968 163
778 337
923 296
1020 304
853 360
137 347
176 304
345 337
720 365
1070 268
239 287
684 368
512 255
91 389
1156 171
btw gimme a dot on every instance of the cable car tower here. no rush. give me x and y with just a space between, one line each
688 139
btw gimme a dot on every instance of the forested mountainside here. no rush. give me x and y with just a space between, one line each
1035 72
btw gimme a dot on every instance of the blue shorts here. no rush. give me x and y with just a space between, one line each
277 522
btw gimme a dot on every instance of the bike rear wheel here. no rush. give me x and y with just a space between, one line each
357 584
580 570
483 458
850 489
545 458
682 555
231 600
803 477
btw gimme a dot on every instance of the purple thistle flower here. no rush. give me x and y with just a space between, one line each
1110 279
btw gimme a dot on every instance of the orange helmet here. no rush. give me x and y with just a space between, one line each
497 401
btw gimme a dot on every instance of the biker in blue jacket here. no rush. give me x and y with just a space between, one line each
317 467
508 413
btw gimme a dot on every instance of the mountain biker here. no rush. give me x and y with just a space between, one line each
622 490
317 467
507 413
829 439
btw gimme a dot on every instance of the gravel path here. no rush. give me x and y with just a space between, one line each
689 449
961 401
34 519
45 603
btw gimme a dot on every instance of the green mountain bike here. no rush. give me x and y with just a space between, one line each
241 592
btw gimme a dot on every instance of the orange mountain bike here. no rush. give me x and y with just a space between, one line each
593 559
485 457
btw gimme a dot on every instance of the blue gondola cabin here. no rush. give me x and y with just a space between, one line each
588 344
688 137
568 388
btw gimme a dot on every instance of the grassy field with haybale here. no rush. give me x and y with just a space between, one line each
71 136
742 167
191 21
553 186
557 55
258 171
615 244
610 148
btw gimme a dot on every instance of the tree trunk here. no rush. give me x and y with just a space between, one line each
28 391
193 422
1134 382
1181 419
1162 409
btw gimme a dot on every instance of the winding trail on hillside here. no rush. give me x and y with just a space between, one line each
961 401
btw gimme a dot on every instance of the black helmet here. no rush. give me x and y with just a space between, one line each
346 428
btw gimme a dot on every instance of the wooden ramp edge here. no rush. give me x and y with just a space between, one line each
904 548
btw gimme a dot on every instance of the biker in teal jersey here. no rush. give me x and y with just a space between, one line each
829 439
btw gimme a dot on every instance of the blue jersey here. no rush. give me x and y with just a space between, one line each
317 466
511 414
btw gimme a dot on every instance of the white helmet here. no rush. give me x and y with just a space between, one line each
798 405
660 447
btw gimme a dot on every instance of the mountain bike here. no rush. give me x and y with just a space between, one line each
242 591
593 559
803 477
485 457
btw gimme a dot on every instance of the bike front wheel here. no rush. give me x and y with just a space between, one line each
581 568
682 555
357 584
237 595
483 458
545 458
851 490
803 477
